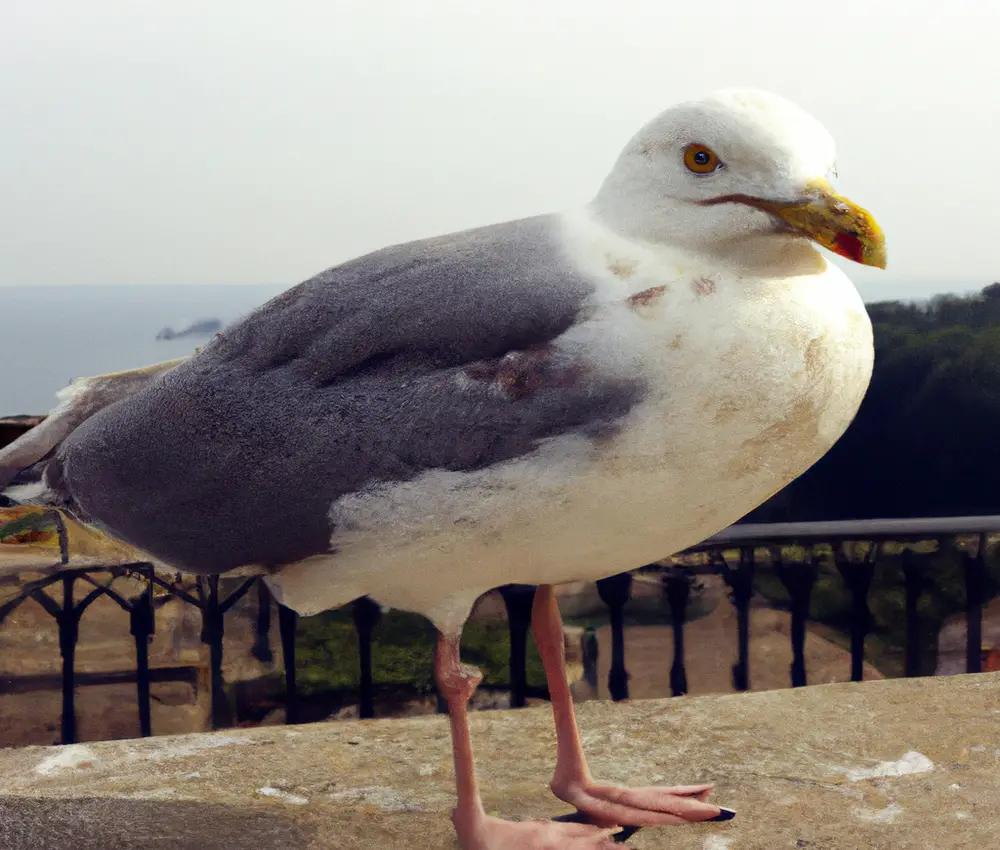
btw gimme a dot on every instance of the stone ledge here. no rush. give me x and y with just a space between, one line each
900 764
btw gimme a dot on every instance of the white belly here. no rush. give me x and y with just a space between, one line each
754 382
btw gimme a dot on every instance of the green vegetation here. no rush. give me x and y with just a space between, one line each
402 652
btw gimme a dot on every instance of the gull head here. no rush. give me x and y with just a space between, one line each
717 174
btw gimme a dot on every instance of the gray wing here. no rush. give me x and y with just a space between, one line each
432 355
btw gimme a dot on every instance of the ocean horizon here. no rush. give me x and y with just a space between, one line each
51 335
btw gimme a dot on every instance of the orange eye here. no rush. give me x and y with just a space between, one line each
701 160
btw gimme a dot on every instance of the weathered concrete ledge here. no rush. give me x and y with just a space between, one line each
902 764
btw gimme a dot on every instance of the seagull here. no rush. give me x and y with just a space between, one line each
557 398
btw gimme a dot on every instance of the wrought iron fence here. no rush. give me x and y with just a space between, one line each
733 554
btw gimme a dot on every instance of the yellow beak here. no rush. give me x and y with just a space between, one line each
833 222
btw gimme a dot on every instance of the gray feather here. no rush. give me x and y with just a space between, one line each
374 371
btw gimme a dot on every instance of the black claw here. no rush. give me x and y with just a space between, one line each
580 817
724 814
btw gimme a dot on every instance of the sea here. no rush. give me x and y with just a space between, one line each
53 334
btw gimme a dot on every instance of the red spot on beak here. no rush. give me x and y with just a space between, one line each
850 246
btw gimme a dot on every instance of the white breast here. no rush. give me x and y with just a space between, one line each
754 380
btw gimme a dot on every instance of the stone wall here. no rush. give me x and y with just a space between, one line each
905 764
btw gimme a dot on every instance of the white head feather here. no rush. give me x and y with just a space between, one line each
769 148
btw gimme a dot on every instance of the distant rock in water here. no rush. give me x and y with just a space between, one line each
202 327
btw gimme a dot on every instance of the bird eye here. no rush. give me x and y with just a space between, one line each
701 160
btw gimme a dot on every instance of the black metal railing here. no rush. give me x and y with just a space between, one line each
734 554
858 572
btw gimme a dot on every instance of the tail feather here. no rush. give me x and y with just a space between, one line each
40 524
25 476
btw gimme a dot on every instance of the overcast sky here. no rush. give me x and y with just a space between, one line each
240 141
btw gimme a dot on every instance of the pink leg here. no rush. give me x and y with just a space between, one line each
572 782
476 830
